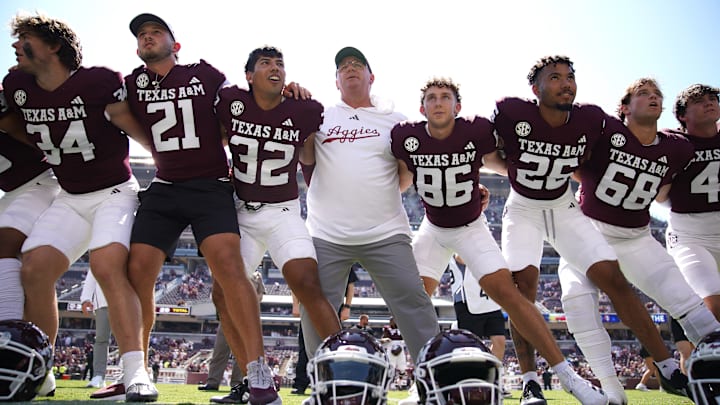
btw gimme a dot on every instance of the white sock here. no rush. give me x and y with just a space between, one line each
595 345
564 372
530 376
134 368
12 299
611 384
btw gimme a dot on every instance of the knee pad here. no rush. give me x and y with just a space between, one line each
12 299
697 323
582 313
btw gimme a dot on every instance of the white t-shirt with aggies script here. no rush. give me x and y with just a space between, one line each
354 196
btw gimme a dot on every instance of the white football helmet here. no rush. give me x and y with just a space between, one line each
704 371
455 368
350 368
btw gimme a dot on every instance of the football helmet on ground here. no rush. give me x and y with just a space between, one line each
704 371
455 367
350 368
25 360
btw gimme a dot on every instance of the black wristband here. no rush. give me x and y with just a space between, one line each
346 306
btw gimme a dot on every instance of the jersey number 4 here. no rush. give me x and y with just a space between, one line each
706 182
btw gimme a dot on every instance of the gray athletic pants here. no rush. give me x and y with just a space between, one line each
219 361
391 265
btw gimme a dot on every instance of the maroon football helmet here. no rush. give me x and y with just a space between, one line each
350 368
25 359
455 367
704 371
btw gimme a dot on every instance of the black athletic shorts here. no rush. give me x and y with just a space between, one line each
167 209
483 325
678 334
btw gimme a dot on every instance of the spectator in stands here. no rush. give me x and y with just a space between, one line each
364 324
93 300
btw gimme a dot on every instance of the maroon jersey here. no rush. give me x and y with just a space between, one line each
446 170
391 333
265 145
86 151
177 112
696 189
623 176
541 158
19 163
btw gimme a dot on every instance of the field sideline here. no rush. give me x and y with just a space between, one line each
74 392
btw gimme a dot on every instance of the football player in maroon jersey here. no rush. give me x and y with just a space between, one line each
545 142
77 116
175 104
629 166
266 135
442 157
29 187
692 234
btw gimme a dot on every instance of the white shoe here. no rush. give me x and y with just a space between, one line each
617 397
262 384
413 398
584 391
641 387
96 382
308 401
47 389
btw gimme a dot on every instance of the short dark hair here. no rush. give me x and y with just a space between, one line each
441 82
52 32
625 100
545 61
267 51
693 92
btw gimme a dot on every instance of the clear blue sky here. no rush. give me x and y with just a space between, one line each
488 47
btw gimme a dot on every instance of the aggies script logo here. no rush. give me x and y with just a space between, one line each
338 133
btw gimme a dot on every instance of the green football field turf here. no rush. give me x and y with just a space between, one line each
74 392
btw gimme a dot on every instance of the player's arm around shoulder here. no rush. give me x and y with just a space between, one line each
406 176
12 125
496 160
307 151
663 195
121 116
